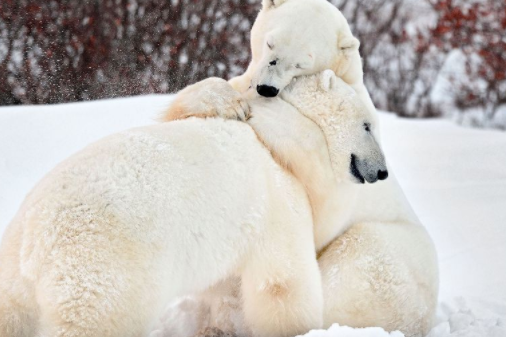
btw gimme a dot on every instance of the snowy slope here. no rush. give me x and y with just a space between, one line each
454 177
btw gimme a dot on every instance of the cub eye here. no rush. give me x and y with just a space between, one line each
367 127
273 63
298 66
269 45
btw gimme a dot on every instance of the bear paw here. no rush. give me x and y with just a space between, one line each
212 97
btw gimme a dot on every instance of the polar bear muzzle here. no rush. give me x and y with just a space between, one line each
364 171
267 91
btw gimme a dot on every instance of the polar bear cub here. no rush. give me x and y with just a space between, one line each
290 38
112 234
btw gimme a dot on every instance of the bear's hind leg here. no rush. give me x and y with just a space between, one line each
381 274
15 321
97 284
18 317
86 302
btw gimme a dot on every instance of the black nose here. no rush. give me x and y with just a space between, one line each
267 91
382 175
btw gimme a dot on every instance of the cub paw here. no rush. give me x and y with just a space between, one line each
212 97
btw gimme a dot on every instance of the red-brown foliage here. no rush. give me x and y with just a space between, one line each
400 67
58 51
478 30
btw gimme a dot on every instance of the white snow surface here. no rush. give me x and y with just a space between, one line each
454 177
336 330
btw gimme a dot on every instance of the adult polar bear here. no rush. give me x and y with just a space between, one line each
382 271
113 233
377 262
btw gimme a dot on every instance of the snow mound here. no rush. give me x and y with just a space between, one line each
460 321
344 331
457 319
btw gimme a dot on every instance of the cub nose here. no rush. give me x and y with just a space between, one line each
267 91
382 175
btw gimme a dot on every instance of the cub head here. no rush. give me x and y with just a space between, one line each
349 128
291 38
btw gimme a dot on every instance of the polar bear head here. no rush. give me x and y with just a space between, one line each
349 128
291 38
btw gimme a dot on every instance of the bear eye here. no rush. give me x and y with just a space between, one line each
367 127
298 66
269 45
273 62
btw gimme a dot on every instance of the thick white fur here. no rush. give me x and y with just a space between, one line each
306 37
378 264
112 234
107 238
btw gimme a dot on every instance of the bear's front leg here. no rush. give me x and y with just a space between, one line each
212 97
281 283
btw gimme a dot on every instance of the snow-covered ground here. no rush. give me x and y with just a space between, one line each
454 177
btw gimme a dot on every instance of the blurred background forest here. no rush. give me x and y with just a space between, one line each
422 58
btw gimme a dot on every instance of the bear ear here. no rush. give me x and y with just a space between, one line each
269 4
348 44
328 80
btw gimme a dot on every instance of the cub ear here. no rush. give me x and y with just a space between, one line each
328 80
347 44
269 4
